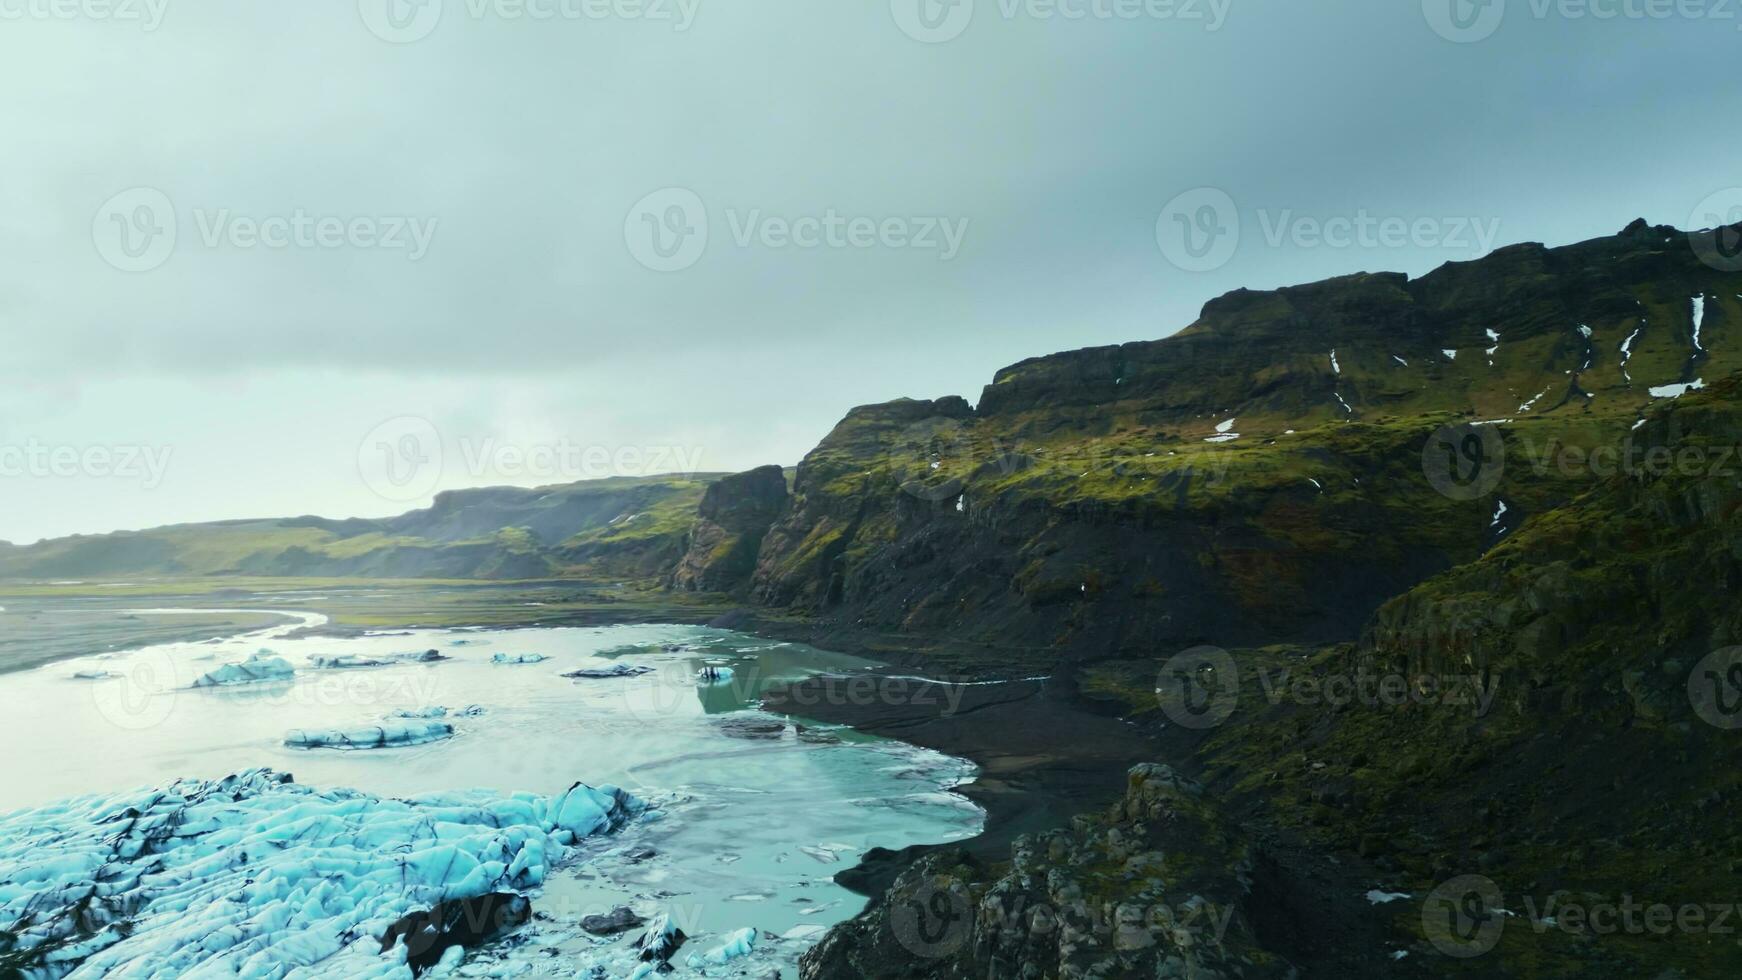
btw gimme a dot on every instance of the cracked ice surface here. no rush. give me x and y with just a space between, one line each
255 875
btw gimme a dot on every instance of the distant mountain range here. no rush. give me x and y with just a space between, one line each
611 528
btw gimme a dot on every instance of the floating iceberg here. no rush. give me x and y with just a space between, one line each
255 875
714 675
262 666
388 734
737 944
345 662
518 658
615 670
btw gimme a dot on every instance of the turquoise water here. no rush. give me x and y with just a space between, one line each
753 813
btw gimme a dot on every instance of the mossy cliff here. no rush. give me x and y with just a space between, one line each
735 514
1158 886
1258 477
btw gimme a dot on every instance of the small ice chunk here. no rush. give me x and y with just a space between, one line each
513 659
738 944
1345 404
714 675
1451 355
1335 367
1378 897
1400 360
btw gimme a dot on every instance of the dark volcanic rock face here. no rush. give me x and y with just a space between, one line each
1258 478
1156 887
734 515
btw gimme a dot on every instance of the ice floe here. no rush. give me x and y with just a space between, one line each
262 666
514 659
389 734
736 945
615 670
255 875
345 662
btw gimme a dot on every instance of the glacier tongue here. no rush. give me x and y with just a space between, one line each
255 875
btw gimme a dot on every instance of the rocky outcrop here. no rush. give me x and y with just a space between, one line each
735 513
1159 886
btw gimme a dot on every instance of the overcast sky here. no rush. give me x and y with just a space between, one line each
260 258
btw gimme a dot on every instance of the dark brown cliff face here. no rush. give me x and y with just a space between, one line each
1158 886
1259 477
734 516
